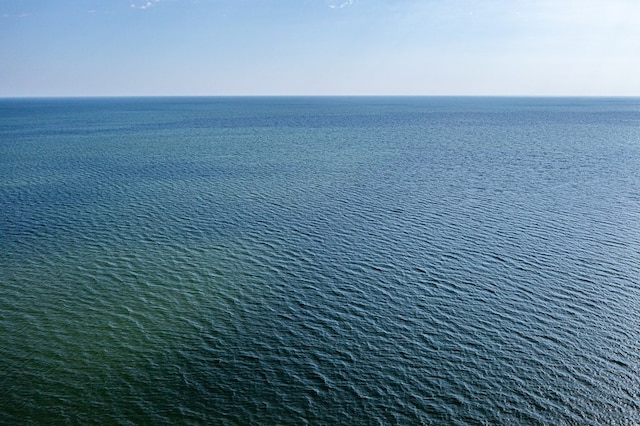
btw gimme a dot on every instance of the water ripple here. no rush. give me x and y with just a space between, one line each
382 261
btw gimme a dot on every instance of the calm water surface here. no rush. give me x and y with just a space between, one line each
320 261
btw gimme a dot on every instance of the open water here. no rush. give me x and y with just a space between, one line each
320 261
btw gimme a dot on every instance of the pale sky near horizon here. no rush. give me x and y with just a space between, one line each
319 47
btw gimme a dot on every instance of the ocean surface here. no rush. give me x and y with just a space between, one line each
355 261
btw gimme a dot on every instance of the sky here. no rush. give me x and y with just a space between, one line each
319 47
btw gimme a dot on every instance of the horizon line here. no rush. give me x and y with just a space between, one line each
318 96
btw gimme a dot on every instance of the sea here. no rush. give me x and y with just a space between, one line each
320 261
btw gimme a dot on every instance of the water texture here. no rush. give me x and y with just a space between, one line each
320 261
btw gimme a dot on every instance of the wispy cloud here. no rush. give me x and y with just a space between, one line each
19 15
341 5
144 5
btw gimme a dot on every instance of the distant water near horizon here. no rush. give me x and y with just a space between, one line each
338 260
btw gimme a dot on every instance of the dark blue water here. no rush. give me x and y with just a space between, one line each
320 261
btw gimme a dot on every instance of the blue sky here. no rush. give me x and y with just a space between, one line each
319 47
